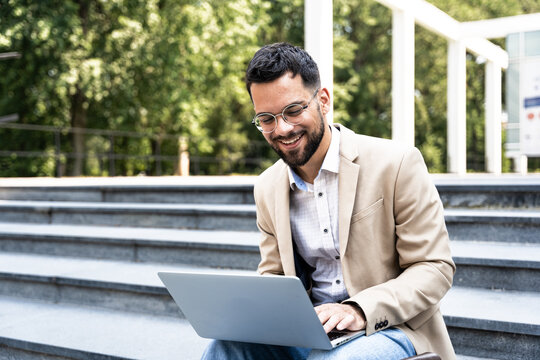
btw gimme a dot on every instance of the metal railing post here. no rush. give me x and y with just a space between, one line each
183 157
158 156
57 153
112 168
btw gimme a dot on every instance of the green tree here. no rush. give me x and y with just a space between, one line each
166 67
150 66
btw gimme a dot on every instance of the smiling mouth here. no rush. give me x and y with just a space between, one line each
291 141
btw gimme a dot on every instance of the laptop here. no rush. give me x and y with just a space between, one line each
267 309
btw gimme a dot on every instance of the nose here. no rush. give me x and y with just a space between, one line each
282 127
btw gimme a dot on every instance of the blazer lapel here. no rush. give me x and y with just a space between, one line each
283 222
347 185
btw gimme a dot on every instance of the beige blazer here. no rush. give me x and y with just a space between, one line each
393 241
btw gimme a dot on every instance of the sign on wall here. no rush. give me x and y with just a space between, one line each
530 107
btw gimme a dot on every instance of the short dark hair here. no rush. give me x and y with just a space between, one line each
272 61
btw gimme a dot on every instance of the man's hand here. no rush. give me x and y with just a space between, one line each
340 317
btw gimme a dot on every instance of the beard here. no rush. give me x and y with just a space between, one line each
299 157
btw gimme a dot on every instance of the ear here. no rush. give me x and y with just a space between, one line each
324 100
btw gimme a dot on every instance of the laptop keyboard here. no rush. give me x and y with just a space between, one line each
334 334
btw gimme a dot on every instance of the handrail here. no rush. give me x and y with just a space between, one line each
90 131
182 154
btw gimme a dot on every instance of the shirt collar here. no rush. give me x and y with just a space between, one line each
330 162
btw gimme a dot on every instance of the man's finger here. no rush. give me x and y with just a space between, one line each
332 322
324 316
346 323
323 307
339 317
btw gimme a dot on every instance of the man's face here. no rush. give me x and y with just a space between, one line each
295 144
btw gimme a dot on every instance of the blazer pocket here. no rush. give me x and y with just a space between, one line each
367 211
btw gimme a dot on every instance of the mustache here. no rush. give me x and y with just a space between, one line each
288 137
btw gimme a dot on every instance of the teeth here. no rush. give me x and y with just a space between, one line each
291 141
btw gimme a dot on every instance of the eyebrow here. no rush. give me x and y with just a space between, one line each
292 103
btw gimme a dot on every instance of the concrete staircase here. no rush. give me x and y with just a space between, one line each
78 263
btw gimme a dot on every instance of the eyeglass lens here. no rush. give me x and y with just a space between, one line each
267 122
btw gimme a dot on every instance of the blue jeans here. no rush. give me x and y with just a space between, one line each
388 344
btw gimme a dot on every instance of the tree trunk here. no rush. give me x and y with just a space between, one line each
78 112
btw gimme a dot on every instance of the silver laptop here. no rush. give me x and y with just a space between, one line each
265 309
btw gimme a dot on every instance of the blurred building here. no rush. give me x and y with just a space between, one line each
523 98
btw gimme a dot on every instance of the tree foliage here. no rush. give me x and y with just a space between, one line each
176 67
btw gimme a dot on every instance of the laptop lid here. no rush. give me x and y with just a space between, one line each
265 309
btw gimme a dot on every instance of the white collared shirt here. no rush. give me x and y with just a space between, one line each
314 226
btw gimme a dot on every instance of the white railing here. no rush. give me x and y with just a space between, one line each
462 37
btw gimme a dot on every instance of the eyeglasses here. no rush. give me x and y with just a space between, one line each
267 122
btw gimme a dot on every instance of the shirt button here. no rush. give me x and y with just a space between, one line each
337 257
320 194
338 281
325 231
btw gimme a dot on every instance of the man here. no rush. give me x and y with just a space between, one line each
355 217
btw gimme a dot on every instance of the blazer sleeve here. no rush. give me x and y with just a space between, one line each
422 245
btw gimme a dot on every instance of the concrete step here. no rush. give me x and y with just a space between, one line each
29 329
49 277
117 285
476 323
236 217
163 189
155 224
32 330
493 265
172 194
493 192
463 224
493 324
507 191
521 226
496 265
229 249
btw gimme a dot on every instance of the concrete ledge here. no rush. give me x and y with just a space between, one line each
193 216
502 311
505 191
493 216
15 349
196 194
497 277
518 226
230 240
123 286
72 280
492 325
497 265
493 344
464 224
48 206
71 331
228 249
86 333
95 294
496 254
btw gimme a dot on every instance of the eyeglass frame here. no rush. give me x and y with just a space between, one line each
275 116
